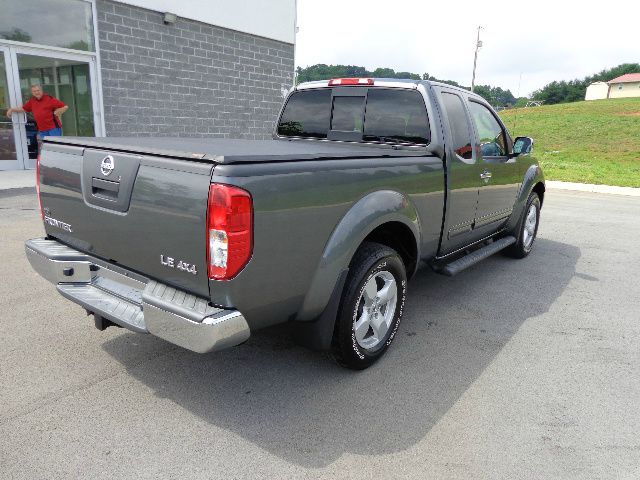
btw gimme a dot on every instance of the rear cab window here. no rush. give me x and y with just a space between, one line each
396 116
306 115
346 114
376 114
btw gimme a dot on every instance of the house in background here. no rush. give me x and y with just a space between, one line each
145 67
624 86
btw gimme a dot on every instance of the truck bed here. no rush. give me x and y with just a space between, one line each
229 151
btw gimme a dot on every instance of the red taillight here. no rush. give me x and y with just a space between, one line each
38 186
334 82
229 231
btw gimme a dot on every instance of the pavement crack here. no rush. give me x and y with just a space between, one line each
49 399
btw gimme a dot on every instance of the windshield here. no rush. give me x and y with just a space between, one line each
396 116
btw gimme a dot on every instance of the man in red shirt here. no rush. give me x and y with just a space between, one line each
46 112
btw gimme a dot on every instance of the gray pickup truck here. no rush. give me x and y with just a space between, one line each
202 241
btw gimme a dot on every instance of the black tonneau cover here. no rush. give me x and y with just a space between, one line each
227 151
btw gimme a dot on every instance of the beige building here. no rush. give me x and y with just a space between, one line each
627 85
597 91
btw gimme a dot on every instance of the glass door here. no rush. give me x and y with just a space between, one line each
65 76
51 43
68 79
11 146
64 79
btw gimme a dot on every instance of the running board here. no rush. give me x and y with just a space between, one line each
476 256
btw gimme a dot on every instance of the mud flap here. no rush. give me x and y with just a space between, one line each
317 335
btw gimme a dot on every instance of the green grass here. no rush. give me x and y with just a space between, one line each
586 142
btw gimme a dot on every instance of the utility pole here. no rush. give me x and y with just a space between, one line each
475 59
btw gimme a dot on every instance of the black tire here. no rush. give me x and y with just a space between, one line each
523 246
372 262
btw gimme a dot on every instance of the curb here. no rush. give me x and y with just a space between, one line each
13 179
589 187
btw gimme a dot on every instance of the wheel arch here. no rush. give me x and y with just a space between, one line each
533 181
539 188
399 237
386 216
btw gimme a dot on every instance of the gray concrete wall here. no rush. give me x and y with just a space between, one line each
187 79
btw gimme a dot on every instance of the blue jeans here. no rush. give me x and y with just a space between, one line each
54 132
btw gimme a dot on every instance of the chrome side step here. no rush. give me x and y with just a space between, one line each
476 256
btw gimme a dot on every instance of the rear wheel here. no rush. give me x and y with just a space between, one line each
527 229
371 307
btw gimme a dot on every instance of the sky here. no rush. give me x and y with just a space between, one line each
525 44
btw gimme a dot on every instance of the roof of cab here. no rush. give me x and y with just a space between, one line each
388 82
378 82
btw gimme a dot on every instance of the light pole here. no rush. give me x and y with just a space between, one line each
475 59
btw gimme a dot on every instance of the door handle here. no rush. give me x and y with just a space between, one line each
486 175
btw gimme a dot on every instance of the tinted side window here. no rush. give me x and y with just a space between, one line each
490 133
396 115
459 125
306 114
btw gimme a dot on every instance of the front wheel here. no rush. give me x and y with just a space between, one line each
527 228
371 307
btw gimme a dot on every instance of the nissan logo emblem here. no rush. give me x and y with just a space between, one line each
107 165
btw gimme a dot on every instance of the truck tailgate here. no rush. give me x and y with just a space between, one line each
145 213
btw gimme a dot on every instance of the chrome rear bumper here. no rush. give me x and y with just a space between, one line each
135 302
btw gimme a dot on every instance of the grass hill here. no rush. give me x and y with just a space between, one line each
587 142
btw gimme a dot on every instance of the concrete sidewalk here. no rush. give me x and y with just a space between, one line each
17 179
589 187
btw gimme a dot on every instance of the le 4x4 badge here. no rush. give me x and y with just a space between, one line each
179 264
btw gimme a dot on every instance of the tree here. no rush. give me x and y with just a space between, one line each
521 102
79 45
324 72
411 76
384 73
17 35
575 90
494 95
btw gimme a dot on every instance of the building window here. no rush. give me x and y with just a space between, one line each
58 23
619 87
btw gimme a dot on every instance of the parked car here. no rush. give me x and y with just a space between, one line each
203 241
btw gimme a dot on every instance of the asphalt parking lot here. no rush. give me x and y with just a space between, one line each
523 369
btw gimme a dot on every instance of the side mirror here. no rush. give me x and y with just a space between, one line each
522 146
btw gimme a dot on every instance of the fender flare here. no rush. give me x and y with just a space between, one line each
532 177
368 213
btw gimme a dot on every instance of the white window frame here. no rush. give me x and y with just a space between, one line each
93 59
